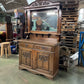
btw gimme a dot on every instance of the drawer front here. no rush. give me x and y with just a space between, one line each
45 48
26 45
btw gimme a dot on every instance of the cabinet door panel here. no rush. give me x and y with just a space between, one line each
23 59
46 62
39 61
28 61
26 56
43 60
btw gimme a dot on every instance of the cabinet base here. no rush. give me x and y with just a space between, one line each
37 72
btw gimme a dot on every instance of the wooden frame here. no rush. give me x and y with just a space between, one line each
8 31
40 53
40 5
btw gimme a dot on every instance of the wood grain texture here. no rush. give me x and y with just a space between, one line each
42 57
43 48
9 32
43 5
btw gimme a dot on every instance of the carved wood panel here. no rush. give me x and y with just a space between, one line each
40 3
39 61
43 60
43 3
26 57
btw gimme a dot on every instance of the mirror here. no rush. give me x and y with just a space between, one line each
44 20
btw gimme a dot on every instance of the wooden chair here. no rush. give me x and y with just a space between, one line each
5 46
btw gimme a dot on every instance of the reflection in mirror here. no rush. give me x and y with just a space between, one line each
44 20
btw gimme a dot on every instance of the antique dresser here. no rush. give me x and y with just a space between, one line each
39 56
40 52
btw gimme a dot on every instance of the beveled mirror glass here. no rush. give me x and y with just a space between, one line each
44 20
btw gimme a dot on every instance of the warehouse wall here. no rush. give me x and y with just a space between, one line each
81 4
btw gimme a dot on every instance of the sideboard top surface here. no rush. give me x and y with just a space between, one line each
49 42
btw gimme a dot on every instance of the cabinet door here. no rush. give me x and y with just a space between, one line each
45 61
25 56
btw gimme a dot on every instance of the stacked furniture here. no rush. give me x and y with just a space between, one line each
68 32
64 58
69 24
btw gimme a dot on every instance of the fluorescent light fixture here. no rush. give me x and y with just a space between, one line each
30 1
51 13
2 7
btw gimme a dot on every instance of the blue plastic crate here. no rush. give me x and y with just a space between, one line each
13 49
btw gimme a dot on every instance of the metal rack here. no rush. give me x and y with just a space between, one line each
81 49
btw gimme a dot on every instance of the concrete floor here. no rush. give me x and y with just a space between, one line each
10 74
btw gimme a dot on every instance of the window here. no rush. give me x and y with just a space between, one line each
81 15
2 7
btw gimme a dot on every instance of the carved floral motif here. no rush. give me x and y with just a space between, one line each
26 54
43 58
41 3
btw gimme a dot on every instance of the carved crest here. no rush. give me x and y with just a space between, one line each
40 3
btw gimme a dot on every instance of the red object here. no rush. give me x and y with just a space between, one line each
4 34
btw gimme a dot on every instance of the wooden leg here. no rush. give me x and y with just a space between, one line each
6 52
2 50
9 50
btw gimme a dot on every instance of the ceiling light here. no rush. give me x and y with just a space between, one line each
2 7
30 1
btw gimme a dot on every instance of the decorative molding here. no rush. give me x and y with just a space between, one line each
43 58
41 3
26 54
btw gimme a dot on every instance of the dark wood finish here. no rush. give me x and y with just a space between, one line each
9 32
39 56
40 53
41 5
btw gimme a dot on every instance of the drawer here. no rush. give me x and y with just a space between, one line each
45 48
26 45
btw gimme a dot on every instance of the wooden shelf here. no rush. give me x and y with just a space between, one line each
43 32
